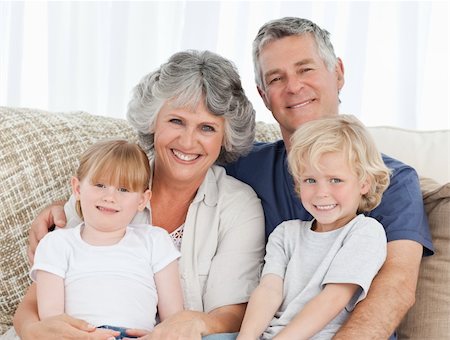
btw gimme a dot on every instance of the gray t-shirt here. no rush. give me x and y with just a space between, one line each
307 260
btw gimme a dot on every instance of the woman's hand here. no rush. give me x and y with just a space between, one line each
64 327
52 215
184 325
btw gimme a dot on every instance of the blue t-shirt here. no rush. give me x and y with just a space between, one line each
401 211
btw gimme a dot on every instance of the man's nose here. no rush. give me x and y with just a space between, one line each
294 84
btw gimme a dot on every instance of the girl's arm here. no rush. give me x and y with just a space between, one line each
264 303
168 286
319 311
50 294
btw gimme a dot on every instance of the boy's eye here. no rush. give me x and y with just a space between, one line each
309 180
335 180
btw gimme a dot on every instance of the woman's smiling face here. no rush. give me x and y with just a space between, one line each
187 142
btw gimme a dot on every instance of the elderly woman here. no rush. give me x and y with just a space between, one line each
191 113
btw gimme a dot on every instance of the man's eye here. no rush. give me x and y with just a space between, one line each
305 70
274 80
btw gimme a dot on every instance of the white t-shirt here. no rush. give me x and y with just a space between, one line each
108 285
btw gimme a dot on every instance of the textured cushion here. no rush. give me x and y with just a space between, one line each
39 153
429 318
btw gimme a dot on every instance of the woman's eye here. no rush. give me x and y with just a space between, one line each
208 128
176 121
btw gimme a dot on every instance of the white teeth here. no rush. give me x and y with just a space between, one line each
325 207
300 105
183 156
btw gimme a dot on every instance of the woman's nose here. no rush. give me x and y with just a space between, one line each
187 138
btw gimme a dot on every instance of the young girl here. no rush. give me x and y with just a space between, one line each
316 271
106 271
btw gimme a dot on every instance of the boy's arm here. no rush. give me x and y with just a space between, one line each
168 287
319 311
50 294
390 296
264 303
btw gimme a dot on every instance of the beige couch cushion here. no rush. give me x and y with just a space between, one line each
429 318
39 153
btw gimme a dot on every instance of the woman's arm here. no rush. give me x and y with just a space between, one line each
50 294
170 295
51 215
264 303
319 311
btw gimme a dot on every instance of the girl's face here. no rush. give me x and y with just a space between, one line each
333 194
187 143
105 207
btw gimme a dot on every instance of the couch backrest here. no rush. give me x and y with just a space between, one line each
426 151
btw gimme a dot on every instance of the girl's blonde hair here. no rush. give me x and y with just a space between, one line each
346 134
115 162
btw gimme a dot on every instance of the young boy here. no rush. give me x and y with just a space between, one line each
105 271
316 271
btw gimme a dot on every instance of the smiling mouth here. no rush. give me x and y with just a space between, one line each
300 105
325 207
106 210
185 157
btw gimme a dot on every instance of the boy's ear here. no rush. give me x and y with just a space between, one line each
146 196
365 186
75 183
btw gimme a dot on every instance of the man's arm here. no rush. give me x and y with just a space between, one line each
390 296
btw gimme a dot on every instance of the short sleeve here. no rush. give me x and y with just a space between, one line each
358 261
51 255
276 258
163 249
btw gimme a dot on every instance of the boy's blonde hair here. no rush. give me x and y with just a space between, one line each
115 162
346 134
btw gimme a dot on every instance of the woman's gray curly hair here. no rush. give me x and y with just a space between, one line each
185 80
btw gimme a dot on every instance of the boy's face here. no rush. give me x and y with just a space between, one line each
298 86
105 207
333 194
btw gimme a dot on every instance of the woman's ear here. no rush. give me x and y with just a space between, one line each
75 183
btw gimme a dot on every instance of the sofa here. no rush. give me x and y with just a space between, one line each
39 153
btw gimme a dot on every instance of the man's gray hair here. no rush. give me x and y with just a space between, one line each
188 78
289 26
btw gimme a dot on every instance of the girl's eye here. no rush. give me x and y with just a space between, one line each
208 128
122 190
100 185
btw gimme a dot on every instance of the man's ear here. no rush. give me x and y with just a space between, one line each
146 196
75 183
262 93
340 73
